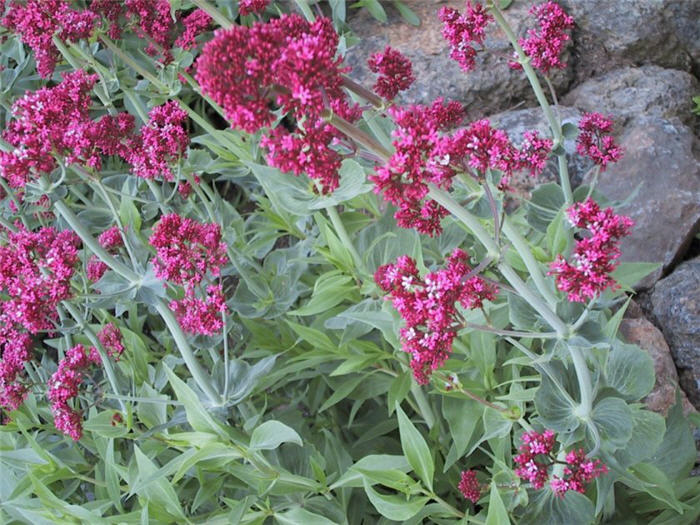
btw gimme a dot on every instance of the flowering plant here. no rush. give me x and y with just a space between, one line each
236 285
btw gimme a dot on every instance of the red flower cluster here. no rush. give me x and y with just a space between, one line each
161 142
286 63
247 7
422 155
195 24
428 305
65 382
536 458
595 257
37 21
35 273
544 46
595 142
395 72
464 31
110 239
469 485
579 472
187 252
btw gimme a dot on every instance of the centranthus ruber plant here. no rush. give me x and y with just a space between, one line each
237 286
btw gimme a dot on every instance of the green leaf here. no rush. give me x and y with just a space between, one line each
376 10
555 409
628 274
558 235
353 478
297 515
676 455
406 13
545 508
394 479
271 434
647 435
415 449
330 289
614 420
545 203
129 215
569 130
158 491
396 508
497 514
103 424
341 390
496 424
521 314
399 389
463 416
630 371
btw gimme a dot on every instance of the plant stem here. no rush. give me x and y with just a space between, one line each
584 381
520 245
344 237
531 75
106 361
511 333
363 92
133 64
213 12
459 388
357 135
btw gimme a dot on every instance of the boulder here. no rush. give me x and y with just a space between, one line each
493 86
661 159
633 91
612 34
676 307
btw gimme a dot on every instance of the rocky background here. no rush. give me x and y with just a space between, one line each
637 60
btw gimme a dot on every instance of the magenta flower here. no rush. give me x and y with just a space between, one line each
395 72
37 21
16 351
428 306
530 467
463 31
595 257
469 485
111 339
111 240
544 45
595 142
195 24
247 7
201 316
579 472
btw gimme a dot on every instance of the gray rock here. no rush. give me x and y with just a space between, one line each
676 306
493 86
610 34
685 16
643 333
633 91
517 122
661 158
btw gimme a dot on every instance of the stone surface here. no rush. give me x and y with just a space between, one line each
643 333
661 157
611 34
676 306
633 91
685 17
492 86
517 122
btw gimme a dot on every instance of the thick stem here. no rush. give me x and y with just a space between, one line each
359 136
531 75
520 245
363 92
583 375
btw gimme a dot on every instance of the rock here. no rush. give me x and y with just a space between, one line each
633 91
643 333
517 122
676 306
493 86
685 17
661 157
611 34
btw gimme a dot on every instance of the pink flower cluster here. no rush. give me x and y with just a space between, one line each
395 72
35 273
65 382
247 7
595 142
469 485
425 153
55 122
428 306
37 21
536 458
595 257
286 63
188 252
196 23
110 239
161 142
544 45
463 31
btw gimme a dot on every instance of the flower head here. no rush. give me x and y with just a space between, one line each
594 140
428 306
195 23
469 485
545 44
247 7
463 31
395 72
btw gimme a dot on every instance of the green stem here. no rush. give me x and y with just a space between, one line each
520 245
106 361
344 237
445 199
584 382
213 12
531 75
423 405
511 333
359 136
133 64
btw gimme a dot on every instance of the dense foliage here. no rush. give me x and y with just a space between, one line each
238 287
